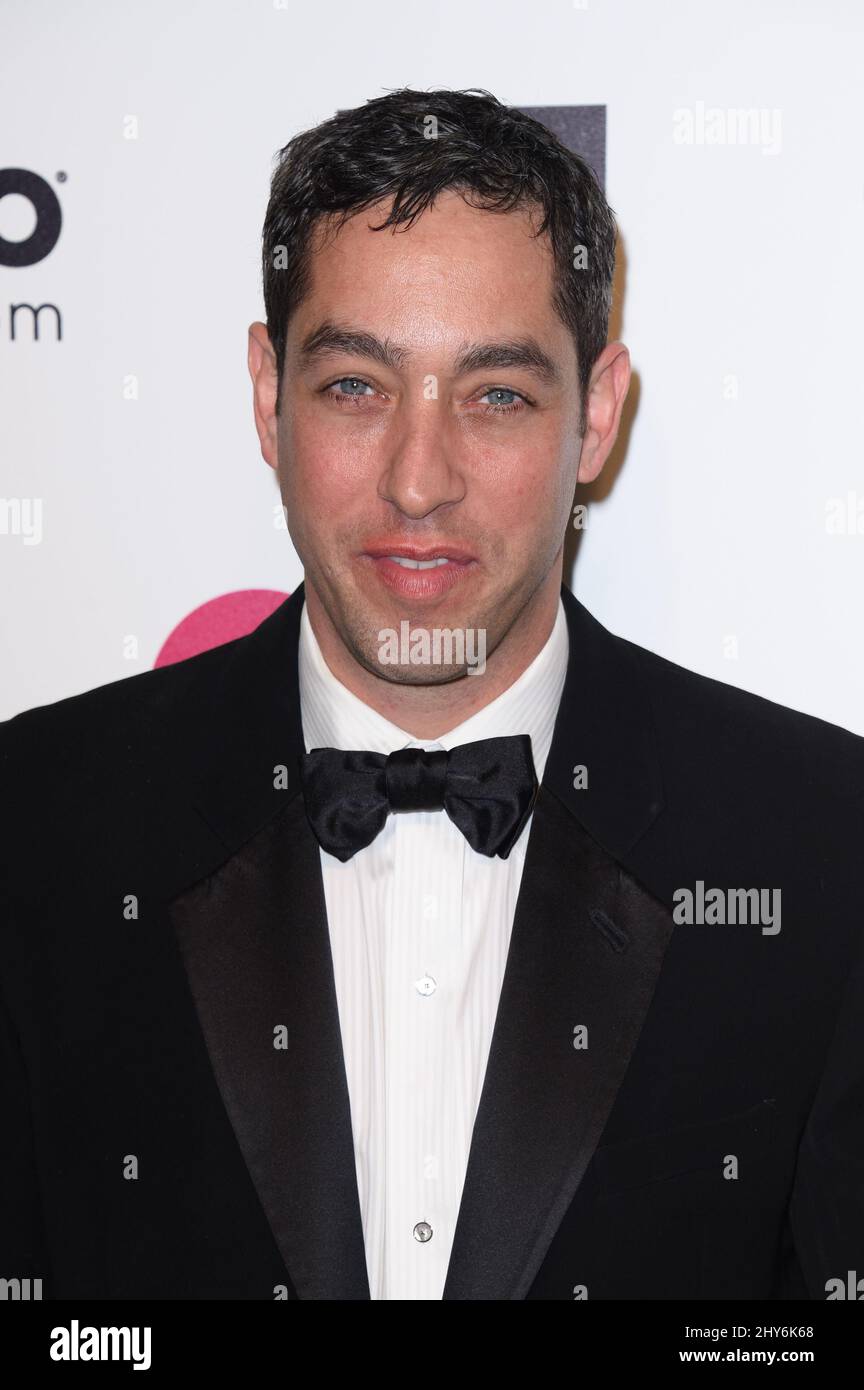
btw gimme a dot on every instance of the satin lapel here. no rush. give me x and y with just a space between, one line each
256 947
585 952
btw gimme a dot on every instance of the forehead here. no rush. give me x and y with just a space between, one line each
455 271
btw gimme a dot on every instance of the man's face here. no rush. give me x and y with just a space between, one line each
428 454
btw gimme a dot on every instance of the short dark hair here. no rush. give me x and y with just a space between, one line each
497 154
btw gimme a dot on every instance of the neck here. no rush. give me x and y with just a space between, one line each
427 711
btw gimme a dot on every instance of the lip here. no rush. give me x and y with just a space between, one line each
419 584
416 552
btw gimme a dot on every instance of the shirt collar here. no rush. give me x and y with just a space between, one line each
333 717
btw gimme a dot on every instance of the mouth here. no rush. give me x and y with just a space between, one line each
409 564
417 573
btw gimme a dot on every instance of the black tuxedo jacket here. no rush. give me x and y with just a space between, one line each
163 913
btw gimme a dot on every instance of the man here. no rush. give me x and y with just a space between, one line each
309 992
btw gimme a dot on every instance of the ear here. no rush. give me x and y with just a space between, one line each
262 368
607 391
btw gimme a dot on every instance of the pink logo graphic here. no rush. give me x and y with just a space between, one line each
218 620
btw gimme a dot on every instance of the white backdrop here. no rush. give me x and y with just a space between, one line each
132 486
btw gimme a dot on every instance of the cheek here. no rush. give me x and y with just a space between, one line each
525 481
323 466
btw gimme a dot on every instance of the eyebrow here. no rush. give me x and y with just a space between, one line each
332 338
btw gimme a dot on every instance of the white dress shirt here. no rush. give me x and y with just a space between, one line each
419 930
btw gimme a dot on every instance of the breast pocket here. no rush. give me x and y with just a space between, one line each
730 1145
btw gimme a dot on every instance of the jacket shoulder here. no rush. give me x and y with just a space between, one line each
72 744
722 730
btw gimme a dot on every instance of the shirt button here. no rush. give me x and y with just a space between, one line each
425 985
422 1231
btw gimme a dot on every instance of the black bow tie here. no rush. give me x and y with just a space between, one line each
488 789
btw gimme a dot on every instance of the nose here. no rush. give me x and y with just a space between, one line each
421 472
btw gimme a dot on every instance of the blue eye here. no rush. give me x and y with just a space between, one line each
352 381
504 407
